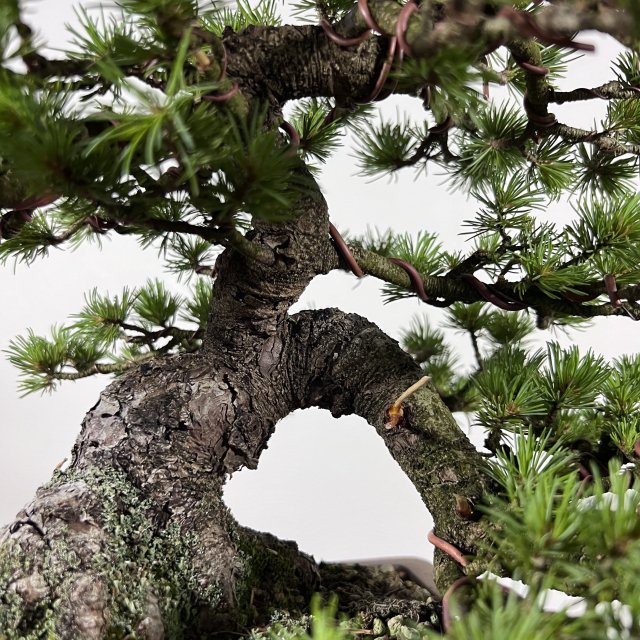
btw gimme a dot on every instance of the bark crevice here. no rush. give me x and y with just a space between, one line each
267 61
134 538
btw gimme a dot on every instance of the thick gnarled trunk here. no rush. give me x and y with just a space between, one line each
133 539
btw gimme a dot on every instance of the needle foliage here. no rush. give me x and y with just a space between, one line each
142 129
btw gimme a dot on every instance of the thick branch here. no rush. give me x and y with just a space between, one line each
143 493
290 62
251 298
143 497
608 91
352 367
445 290
475 22
603 140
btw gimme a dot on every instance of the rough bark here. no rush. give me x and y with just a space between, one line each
268 61
143 493
350 366
142 496
133 539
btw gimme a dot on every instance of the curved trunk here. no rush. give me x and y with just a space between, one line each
133 540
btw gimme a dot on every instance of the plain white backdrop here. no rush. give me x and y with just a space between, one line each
328 484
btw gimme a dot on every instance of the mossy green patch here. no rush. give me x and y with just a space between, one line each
138 562
277 566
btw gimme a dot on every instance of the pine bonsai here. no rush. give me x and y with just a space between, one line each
199 129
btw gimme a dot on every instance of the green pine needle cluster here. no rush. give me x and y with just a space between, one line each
320 625
560 424
104 143
490 332
242 15
512 247
321 124
385 147
111 334
452 79
555 59
188 256
423 251
332 10
552 530
140 130
111 43
574 397
490 139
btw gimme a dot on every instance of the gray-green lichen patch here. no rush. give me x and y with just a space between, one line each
26 611
276 576
139 570
323 624
148 569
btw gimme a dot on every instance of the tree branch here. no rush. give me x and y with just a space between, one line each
608 91
105 368
352 367
446 290
290 62
603 140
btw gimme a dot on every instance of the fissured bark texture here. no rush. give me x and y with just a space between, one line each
133 539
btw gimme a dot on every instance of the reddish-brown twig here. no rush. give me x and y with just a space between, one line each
223 97
446 547
98 224
384 72
442 127
525 24
294 137
612 290
579 297
344 252
491 295
35 202
223 64
446 601
585 479
342 41
584 472
365 12
402 24
363 7
542 121
536 70
12 221
414 277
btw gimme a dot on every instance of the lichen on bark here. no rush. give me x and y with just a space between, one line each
134 540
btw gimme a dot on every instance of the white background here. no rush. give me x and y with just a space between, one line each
328 484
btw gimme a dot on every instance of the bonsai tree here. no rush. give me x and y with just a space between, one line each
199 129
